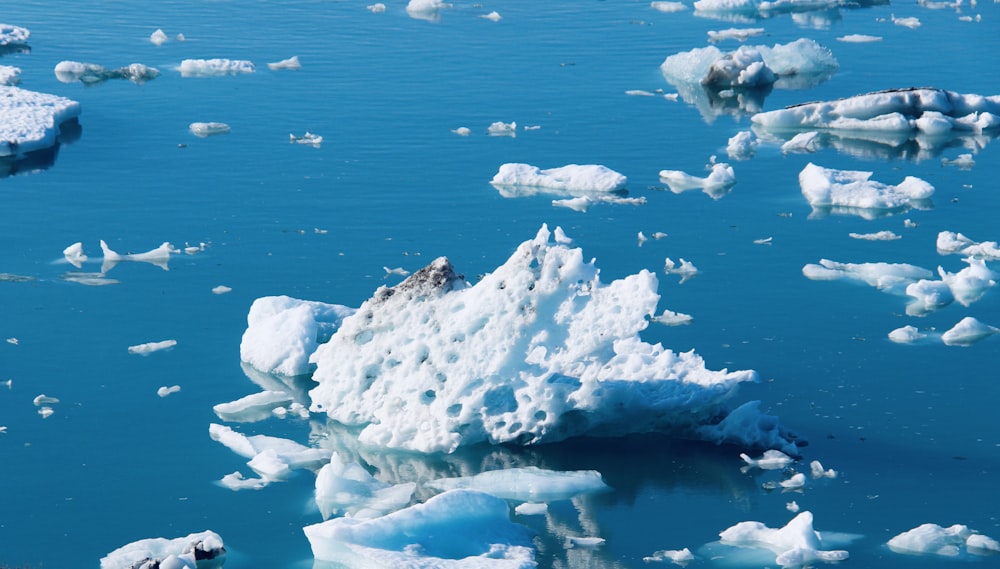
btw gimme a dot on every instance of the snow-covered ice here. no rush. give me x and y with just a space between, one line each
205 129
952 243
215 67
770 460
292 63
968 331
906 335
458 529
932 539
850 189
717 184
794 545
31 121
539 350
13 35
570 178
884 235
91 73
150 347
203 550
893 278
799 62
9 75
528 484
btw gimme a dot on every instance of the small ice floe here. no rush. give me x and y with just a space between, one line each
398 271
31 121
583 203
492 16
527 484
221 289
763 241
272 458
204 550
962 161
584 542
307 138
888 277
671 318
292 63
92 73
817 470
348 489
215 67
770 460
236 481
639 93
500 128
458 528
462 131
667 6
206 129
859 38
159 256
742 145
10 75
796 544
685 269
906 335
532 509
45 411
877 236
13 35
159 37
150 347
792 507
968 331
966 286
676 556
376 8
951 243
911 22
89 279
13 342
932 539
803 142
165 391
43 400
851 190
426 9
253 407
910 224
738 34
74 254
717 184
570 178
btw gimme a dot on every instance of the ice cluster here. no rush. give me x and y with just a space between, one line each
13 35
854 190
932 539
91 73
215 67
539 350
750 67
952 243
31 121
203 550
569 178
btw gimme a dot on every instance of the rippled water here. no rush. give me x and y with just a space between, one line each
911 429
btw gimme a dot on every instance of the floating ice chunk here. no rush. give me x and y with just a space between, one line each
164 391
770 460
307 138
459 528
292 63
204 549
221 289
676 556
742 145
906 335
539 350
802 142
685 269
282 332
31 121
584 541
971 283
909 22
968 331
795 545
151 347
13 35
215 67
346 488
671 318
159 256
74 254
89 279
716 184
532 509
667 6
750 66
963 161
528 484
43 400
254 407
569 178
738 34
159 37
932 539
859 38
425 9
500 128
817 471
235 481
91 73
824 187
205 129
376 8
492 16
462 131
877 236
9 75
45 412
888 277
949 242
792 506
639 93
270 455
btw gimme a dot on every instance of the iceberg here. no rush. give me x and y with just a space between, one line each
906 335
968 331
966 286
92 73
458 529
847 191
770 460
717 184
292 63
31 121
538 351
794 545
13 35
425 9
932 539
205 129
888 277
528 484
203 550
742 145
569 178
952 243
159 256
215 67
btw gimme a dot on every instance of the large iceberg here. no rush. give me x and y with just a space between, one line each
538 351
850 190
31 121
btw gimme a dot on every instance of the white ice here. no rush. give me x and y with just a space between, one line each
165 391
682 267
676 556
253 407
527 484
159 37
539 350
932 539
859 38
966 286
794 545
892 278
584 541
500 128
159 256
235 481
802 142
668 6
884 235
74 254
215 67
906 335
908 22
425 9
738 34
492 16
90 73
376 8
770 460
282 332
347 488
951 243
532 509
817 470
204 550
742 145
13 35
273 458
307 138
459 529
292 63
968 331
570 178
9 75
221 289
150 347
31 121
795 482
824 187
671 318
43 400
205 129
717 184
962 161
749 66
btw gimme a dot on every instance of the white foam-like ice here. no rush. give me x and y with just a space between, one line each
13 35
31 121
668 6
215 67
539 350
717 184
204 550
794 545
569 178
932 539
459 529
528 484
825 187
952 243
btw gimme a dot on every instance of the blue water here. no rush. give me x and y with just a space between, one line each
911 429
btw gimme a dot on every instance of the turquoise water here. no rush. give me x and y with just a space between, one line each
911 429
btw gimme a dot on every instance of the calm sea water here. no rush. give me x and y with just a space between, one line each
911 429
